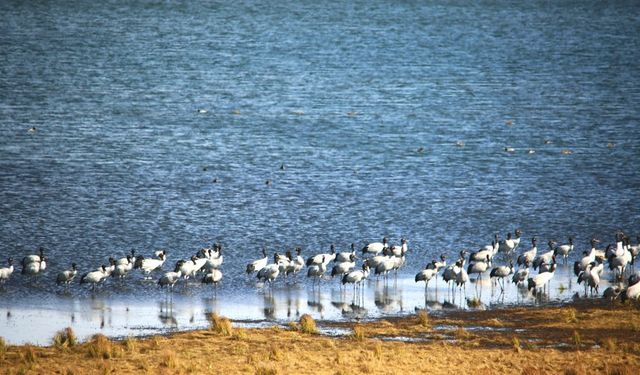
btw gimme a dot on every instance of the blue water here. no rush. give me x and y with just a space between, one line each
344 94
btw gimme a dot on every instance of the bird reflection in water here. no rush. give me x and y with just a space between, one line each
388 298
349 310
314 301
269 309
166 315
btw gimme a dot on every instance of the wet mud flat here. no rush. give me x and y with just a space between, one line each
583 337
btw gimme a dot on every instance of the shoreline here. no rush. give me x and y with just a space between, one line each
35 319
579 337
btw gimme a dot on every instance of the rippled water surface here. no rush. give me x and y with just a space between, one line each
362 102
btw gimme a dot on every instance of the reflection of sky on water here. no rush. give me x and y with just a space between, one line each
37 321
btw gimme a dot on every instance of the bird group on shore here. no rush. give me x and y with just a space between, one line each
380 260
589 269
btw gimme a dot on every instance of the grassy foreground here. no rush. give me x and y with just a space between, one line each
576 339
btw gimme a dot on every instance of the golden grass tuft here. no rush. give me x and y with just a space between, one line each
516 344
219 324
377 350
3 348
275 354
359 332
577 340
101 347
266 371
65 339
169 359
129 344
422 318
307 324
28 355
574 371
570 316
495 322
239 334
461 333
620 369
610 344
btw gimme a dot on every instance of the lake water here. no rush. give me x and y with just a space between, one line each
390 118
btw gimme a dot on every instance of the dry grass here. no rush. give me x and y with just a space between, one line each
359 332
129 344
266 371
219 324
422 318
169 359
3 348
284 351
65 339
28 355
516 344
577 340
101 347
307 324
570 316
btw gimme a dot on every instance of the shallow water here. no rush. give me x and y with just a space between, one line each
344 95
30 320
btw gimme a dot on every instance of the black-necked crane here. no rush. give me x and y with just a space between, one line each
546 266
33 268
258 264
346 255
429 271
324 258
618 264
590 277
128 259
33 258
317 270
500 273
632 291
486 251
451 272
544 257
520 276
6 272
385 266
67 276
212 262
438 265
564 250
397 250
121 270
527 257
94 277
587 259
479 267
269 273
213 277
344 267
187 268
461 280
296 263
283 262
356 277
375 247
510 244
540 280
170 278
147 265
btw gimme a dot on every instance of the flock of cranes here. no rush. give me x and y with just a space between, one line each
380 259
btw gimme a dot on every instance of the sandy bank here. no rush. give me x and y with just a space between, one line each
579 338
